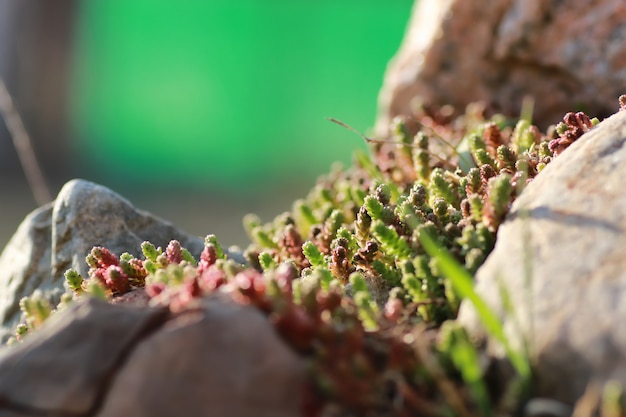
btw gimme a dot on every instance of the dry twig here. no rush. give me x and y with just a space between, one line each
23 147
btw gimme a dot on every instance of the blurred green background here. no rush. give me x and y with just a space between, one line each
198 111
227 94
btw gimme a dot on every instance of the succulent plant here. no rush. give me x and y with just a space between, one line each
367 219
344 276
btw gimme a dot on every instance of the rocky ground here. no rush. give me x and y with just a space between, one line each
347 304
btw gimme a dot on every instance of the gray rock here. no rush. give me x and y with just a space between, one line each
97 359
87 214
58 236
561 258
65 367
461 51
25 266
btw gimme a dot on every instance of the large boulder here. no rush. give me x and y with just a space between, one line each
560 258
563 52
59 235
97 359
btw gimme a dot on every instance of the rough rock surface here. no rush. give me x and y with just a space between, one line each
561 258
67 363
98 359
563 52
59 235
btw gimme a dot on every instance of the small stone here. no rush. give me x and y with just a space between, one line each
563 53
561 259
87 215
59 235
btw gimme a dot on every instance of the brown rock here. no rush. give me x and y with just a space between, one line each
565 53
136 298
6 413
561 259
94 358
222 359
65 366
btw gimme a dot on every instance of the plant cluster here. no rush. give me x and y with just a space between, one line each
363 275
368 219
359 361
